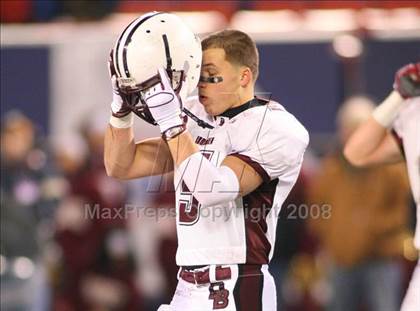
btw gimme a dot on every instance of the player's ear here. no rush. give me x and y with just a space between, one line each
246 76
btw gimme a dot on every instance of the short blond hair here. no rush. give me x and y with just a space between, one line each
239 48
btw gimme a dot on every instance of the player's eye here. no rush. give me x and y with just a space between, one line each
209 74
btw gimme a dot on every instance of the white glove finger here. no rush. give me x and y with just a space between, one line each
117 101
116 105
114 84
165 79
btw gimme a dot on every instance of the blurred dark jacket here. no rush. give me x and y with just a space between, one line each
369 210
28 199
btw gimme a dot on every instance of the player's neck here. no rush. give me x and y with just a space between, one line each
234 111
245 97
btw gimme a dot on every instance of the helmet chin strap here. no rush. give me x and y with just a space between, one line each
199 122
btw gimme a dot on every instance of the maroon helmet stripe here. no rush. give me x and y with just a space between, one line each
117 66
128 40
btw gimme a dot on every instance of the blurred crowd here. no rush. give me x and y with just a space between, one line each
74 239
25 11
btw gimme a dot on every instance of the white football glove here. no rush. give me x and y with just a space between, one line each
121 114
118 108
163 103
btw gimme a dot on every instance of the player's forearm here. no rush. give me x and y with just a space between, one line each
369 136
119 151
364 141
182 147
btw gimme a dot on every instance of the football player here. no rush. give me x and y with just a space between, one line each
235 156
391 135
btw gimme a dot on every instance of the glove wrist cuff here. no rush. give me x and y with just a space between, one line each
174 132
123 122
169 123
386 112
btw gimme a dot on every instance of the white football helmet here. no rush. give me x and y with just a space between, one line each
154 40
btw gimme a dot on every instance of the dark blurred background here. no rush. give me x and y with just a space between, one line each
74 239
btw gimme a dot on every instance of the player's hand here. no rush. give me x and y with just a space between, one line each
163 103
119 107
407 80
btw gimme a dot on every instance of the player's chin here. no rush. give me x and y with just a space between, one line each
206 102
208 110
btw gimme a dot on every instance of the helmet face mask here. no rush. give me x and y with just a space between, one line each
129 85
133 94
153 41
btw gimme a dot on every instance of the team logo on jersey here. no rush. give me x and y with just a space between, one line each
219 294
204 141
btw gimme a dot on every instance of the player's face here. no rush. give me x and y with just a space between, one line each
218 97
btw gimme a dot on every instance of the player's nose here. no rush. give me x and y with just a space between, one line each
201 83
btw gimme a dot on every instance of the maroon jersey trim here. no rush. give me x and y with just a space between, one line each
256 206
248 290
255 165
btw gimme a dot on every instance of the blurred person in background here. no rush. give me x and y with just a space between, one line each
392 135
30 190
363 235
293 242
96 267
153 232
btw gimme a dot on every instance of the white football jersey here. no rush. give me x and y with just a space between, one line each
407 127
273 142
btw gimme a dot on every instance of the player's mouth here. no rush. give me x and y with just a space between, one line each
202 98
